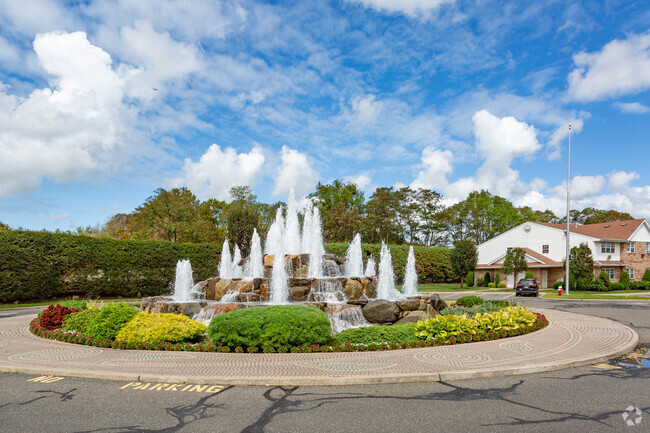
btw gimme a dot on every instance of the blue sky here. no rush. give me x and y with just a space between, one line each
445 94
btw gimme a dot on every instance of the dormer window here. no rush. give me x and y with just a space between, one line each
544 249
631 247
608 248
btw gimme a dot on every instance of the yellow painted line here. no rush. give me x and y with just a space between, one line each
607 366
179 387
45 379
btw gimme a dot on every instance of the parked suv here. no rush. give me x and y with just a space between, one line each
527 286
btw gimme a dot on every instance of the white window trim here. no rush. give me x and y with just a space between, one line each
630 272
647 247
631 247
608 248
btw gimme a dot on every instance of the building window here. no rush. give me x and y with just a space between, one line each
630 272
544 249
630 247
607 248
647 247
609 272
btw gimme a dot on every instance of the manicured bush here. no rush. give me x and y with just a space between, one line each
151 328
41 265
597 285
469 301
497 279
271 326
485 307
480 283
604 278
445 326
625 280
616 286
506 319
499 303
110 320
557 284
54 316
501 286
79 321
583 283
646 275
529 275
469 279
400 333
456 311
639 285
491 285
486 278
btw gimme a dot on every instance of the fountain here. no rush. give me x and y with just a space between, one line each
296 269
410 287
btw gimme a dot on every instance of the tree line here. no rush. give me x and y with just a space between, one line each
393 215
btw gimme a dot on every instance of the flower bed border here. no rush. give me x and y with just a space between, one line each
78 338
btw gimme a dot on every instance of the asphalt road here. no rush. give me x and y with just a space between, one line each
591 399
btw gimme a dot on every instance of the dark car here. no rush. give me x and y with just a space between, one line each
527 286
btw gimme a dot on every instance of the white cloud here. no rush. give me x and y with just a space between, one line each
295 172
582 187
74 128
62 216
159 58
413 8
436 166
500 140
631 107
366 109
218 170
362 181
621 67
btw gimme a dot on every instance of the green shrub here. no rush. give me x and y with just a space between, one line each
597 285
625 280
639 285
455 311
497 279
604 278
485 307
54 316
445 326
272 326
616 286
491 285
557 284
502 286
583 283
486 278
400 333
469 301
507 319
529 275
646 275
152 328
480 283
469 279
110 320
41 265
79 322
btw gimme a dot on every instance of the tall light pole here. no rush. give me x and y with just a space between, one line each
568 216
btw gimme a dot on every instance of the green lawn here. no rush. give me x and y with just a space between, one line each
45 303
443 287
599 295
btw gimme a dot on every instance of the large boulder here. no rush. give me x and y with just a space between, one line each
353 289
300 271
437 303
381 311
220 289
370 290
244 286
299 293
409 304
268 260
190 309
413 317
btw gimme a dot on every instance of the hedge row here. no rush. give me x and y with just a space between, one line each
41 265
433 264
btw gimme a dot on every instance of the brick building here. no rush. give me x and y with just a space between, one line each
620 246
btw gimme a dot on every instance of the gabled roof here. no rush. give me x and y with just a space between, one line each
540 261
615 230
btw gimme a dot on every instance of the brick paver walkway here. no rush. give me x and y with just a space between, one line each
569 340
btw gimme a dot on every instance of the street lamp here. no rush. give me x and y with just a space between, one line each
568 216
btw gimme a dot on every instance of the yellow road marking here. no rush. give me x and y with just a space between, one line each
211 389
45 379
607 366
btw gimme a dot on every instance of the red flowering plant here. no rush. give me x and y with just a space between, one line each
54 316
